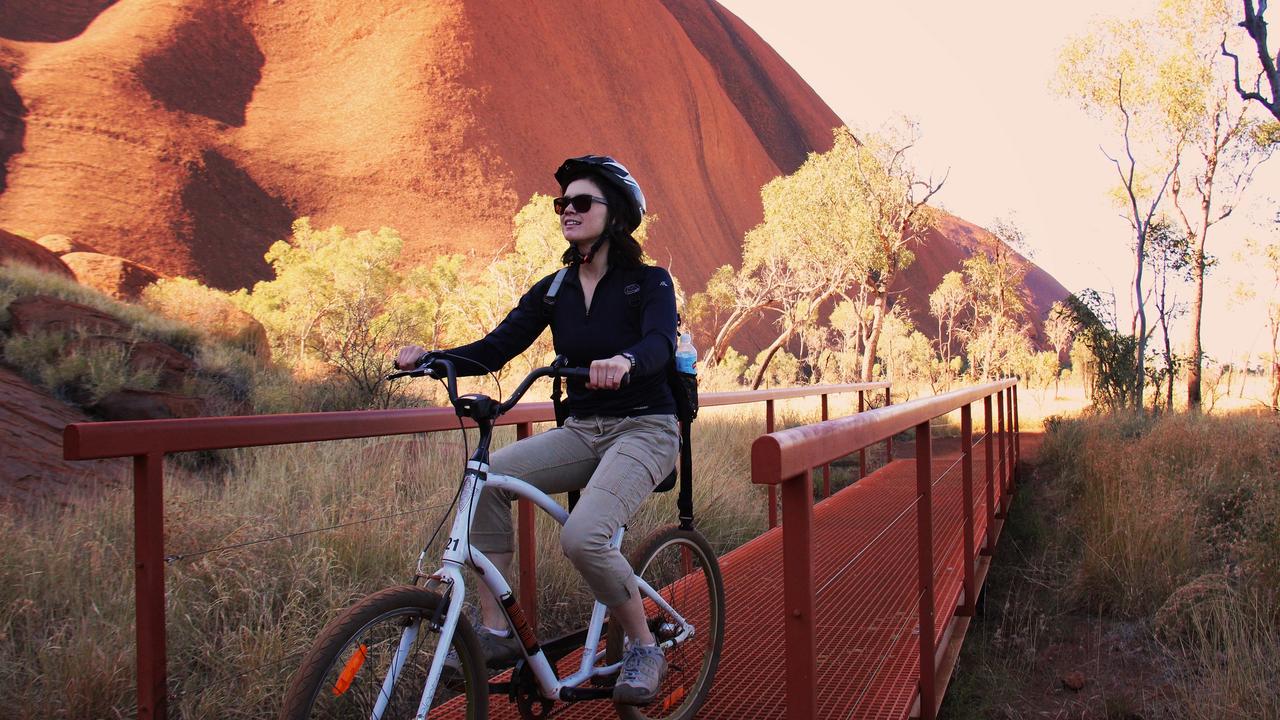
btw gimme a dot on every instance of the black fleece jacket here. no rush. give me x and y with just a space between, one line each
633 310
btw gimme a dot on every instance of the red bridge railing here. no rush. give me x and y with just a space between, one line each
788 458
148 441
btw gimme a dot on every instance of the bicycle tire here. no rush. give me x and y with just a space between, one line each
342 674
681 565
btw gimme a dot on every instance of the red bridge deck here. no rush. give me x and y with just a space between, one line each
865 576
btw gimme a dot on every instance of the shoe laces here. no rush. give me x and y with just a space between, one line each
631 666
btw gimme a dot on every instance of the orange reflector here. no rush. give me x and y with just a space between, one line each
350 669
673 699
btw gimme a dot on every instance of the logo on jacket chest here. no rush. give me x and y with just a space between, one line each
631 289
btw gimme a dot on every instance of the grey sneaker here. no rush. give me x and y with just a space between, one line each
642 669
499 652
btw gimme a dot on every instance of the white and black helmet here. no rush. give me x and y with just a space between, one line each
612 172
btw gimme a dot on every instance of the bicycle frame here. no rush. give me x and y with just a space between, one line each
459 553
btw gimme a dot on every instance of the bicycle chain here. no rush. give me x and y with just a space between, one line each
528 698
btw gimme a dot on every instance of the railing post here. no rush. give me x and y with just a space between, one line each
148 528
888 442
1002 468
1017 438
773 490
797 563
991 486
924 553
528 544
826 468
862 452
966 474
1008 439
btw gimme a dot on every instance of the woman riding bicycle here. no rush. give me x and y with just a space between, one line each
619 441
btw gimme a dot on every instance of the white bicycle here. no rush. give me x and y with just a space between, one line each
385 657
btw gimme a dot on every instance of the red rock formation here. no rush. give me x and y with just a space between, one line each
42 313
130 404
61 245
115 276
16 249
944 249
31 465
187 136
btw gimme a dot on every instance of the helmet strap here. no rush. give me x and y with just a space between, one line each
595 246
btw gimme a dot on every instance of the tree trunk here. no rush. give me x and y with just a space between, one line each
1140 319
1193 367
877 325
1275 361
730 328
1275 384
783 338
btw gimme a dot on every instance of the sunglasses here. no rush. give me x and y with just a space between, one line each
580 203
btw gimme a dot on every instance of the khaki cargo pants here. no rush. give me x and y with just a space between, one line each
615 462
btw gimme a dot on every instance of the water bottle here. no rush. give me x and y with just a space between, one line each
686 355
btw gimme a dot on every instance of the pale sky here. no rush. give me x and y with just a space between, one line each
976 76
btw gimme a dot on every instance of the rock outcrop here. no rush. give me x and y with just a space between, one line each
31 466
185 137
117 277
17 249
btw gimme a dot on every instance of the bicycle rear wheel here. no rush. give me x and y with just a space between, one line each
344 673
682 567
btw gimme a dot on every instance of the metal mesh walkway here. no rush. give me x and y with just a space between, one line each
865 576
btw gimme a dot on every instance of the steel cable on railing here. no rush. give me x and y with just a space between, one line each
947 472
903 630
845 568
170 559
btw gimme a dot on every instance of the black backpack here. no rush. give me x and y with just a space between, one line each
684 389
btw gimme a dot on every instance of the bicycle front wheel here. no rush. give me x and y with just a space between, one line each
681 566
372 662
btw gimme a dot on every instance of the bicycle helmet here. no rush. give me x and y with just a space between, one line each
611 171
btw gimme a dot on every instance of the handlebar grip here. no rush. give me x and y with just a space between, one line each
422 367
585 374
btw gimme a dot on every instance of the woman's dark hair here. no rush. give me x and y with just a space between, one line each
624 250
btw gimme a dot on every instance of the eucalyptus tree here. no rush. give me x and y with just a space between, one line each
998 299
1060 330
946 302
1114 73
1222 139
1172 260
1255 24
892 199
1169 60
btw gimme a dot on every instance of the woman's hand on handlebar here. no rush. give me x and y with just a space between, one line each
409 357
608 374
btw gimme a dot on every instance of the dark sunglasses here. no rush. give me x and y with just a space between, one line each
580 203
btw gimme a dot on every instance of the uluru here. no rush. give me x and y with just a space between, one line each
184 137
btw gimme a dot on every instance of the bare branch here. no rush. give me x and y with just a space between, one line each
1256 25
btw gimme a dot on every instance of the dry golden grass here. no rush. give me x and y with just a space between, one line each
1173 522
239 618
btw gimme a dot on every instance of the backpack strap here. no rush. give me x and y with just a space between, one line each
684 503
548 305
549 300
558 406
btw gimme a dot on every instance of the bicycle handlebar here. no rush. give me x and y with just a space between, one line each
437 367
